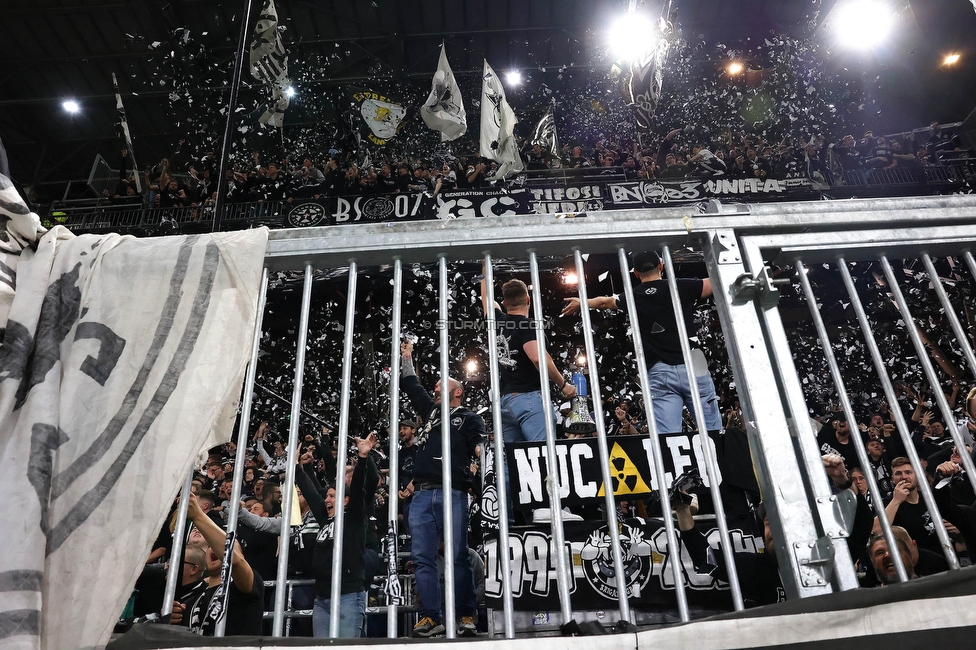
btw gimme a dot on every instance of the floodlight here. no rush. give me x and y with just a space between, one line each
951 59
863 24
632 37
581 360
289 92
513 78
570 278
735 68
71 106
471 366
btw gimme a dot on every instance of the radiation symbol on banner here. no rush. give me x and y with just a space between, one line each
624 474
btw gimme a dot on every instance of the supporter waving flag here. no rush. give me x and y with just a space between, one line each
498 126
444 111
123 125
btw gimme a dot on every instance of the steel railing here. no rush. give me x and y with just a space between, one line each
809 527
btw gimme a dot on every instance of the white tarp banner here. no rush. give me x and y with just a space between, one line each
120 360
444 111
498 126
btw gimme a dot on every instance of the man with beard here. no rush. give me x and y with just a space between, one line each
427 508
880 555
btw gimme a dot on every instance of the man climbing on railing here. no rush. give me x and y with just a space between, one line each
666 372
427 507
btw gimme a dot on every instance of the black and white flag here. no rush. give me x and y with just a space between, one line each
121 358
498 126
269 63
444 111
126 136
642 87
545 136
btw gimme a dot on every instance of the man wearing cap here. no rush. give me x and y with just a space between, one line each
666 372
408 455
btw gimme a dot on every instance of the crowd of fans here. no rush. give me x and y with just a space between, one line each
682 153
265 463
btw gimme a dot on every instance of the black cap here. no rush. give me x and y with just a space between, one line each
646 261
408 423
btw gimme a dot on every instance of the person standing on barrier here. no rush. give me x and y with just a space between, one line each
523 407
427 507
352 599
666 373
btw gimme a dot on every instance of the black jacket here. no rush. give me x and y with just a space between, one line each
467 432
354 529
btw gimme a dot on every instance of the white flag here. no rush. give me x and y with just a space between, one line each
444 111
498 126
121 358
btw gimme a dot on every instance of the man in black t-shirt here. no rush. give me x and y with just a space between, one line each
906 508
666 372
245 608
523 408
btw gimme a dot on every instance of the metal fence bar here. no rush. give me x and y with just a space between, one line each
862 454
930 373
450 586
501 485
242 432
711 464
601 437
284 540
563 574
788 503
657 455
900 424
335 594
175 570
798 419
393 503
950 312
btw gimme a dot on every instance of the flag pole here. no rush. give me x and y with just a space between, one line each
231 112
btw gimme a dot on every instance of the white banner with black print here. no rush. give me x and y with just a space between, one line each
121 359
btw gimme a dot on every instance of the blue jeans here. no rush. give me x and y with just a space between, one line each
670 391
524 416
352 615
427 526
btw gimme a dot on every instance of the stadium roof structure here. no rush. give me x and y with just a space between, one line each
173 57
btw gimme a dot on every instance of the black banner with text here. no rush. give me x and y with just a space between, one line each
563 199
649 578
581 478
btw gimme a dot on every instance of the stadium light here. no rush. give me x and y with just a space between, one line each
951 59
513 78
71 106
289 92
581 360
633 36
735 68
471 366
570 278
863 24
